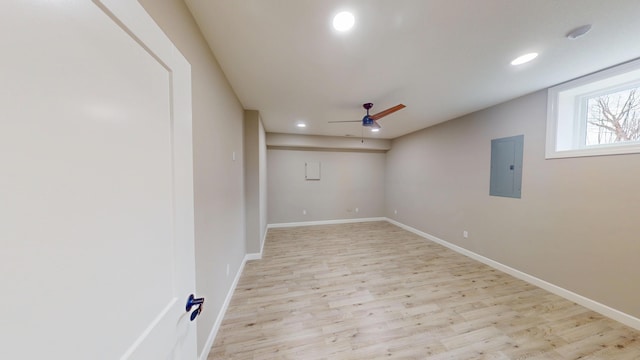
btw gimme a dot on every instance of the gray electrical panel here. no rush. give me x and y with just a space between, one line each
506 166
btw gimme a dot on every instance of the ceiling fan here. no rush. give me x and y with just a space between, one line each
372 120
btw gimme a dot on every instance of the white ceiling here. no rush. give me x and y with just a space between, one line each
441 58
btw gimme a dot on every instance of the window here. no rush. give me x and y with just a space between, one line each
598 114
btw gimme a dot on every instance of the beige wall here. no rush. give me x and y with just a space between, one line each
255 180
575 226
218 180
263 173
349 180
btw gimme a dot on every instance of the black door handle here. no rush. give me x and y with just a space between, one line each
193 301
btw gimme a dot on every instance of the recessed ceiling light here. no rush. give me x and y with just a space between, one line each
524 58
343 21
301 125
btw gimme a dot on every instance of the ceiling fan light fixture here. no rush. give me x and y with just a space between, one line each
343 21
375 129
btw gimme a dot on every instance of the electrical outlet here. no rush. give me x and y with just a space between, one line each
233 156
395 211
304 211
465 234
357 209
227 270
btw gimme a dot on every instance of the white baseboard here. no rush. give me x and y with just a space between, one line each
258 256
605 310
264 240
325 222
223 310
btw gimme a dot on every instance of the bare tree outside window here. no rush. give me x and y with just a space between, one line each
613 118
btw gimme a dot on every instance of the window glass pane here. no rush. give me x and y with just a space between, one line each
613 117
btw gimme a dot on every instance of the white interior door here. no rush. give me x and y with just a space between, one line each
96 197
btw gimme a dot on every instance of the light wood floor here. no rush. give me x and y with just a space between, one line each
373 291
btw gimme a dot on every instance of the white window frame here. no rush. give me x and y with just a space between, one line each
566 125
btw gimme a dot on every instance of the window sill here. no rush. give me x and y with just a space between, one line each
602 150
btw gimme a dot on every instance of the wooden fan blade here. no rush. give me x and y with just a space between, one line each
384 113
345 121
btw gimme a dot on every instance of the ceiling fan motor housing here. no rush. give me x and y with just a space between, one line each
367 120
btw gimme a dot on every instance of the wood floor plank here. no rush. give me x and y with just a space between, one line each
373 290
